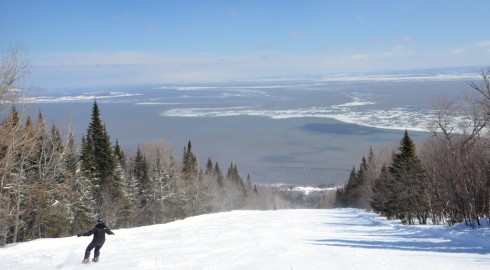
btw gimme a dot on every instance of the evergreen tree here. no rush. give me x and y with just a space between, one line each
234 176
121 158
408 193
249 183
193 187
71 159
81 200
104 159
348 196
190 166
357 192
143 181
382 188
219 175
209 167
99 164
87 157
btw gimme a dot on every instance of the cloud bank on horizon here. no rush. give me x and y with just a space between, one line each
99 43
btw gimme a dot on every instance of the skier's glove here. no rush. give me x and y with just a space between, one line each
111 233
78 235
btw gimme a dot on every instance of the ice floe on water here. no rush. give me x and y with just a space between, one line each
350 112
379 101
79 97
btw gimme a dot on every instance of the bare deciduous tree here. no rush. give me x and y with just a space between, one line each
15 66
456 159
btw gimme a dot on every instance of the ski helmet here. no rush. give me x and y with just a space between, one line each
100 220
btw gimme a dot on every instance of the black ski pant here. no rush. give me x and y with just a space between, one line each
92 245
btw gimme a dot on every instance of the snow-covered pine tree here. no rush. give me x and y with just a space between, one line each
82 203
145 189
165 175
237 188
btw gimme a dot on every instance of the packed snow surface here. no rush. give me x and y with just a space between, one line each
284 239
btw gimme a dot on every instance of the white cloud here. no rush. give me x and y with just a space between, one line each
483 44
398 48
78 69
396 51
105 68
458 51
360 56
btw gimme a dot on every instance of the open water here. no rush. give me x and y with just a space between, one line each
295 131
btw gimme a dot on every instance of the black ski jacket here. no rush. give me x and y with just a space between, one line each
99 233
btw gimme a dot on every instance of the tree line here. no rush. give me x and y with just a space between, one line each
52 186
446 179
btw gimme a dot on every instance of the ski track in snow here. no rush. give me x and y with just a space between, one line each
284 239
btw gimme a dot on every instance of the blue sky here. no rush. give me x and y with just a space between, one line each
103 43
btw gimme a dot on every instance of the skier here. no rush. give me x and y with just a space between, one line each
97 242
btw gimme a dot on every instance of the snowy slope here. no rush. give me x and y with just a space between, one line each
285 239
